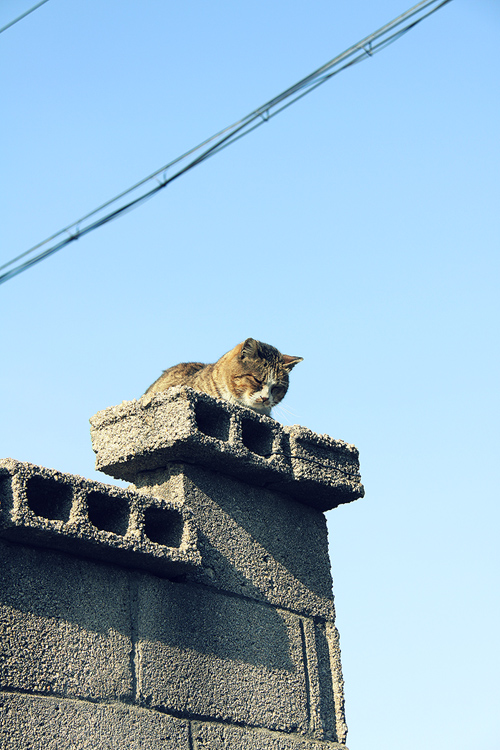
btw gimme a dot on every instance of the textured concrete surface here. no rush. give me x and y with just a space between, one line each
62 511
326 684
222 657
73 628
223 737
36 723
193 610
64 625
253 542
183 425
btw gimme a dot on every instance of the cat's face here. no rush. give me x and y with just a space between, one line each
259 375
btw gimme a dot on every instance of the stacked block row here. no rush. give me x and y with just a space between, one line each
62 511
54 724
89 647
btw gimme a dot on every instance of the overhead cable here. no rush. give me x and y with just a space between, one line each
23 15
158 180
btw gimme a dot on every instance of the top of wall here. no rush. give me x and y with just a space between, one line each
46 508
182 425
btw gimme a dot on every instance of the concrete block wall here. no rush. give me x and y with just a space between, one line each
193 610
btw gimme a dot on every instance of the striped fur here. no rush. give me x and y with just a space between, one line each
253 374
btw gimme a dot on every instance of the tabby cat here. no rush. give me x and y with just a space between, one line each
252 374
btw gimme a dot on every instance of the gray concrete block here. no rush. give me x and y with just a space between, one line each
214 736
185 426
38 723
332 637
206 654
325 470
64 625
326 685
253 542
182 424
62 511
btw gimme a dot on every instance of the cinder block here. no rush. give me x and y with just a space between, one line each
215 736
63 511
182 425
331 635
34 723
207 654
325 470
253 542
326 685
64 625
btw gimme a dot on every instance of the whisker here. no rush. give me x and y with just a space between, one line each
287 409
286 415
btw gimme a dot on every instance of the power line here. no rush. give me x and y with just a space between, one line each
23 15
141 192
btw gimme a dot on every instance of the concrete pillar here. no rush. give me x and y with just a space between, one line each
192 611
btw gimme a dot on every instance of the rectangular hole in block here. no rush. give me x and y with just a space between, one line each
212 420
108 513
257 437
163 526
317 453
5 488
5 491
48 498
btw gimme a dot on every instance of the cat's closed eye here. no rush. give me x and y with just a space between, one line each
254 379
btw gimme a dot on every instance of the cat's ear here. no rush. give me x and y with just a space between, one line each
249 349
290 362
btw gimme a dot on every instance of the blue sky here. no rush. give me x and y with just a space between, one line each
359 229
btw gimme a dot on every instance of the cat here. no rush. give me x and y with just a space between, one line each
253 374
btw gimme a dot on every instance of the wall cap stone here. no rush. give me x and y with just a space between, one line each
183 425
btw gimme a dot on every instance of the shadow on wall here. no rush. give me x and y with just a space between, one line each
258 542
53 593
196 619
